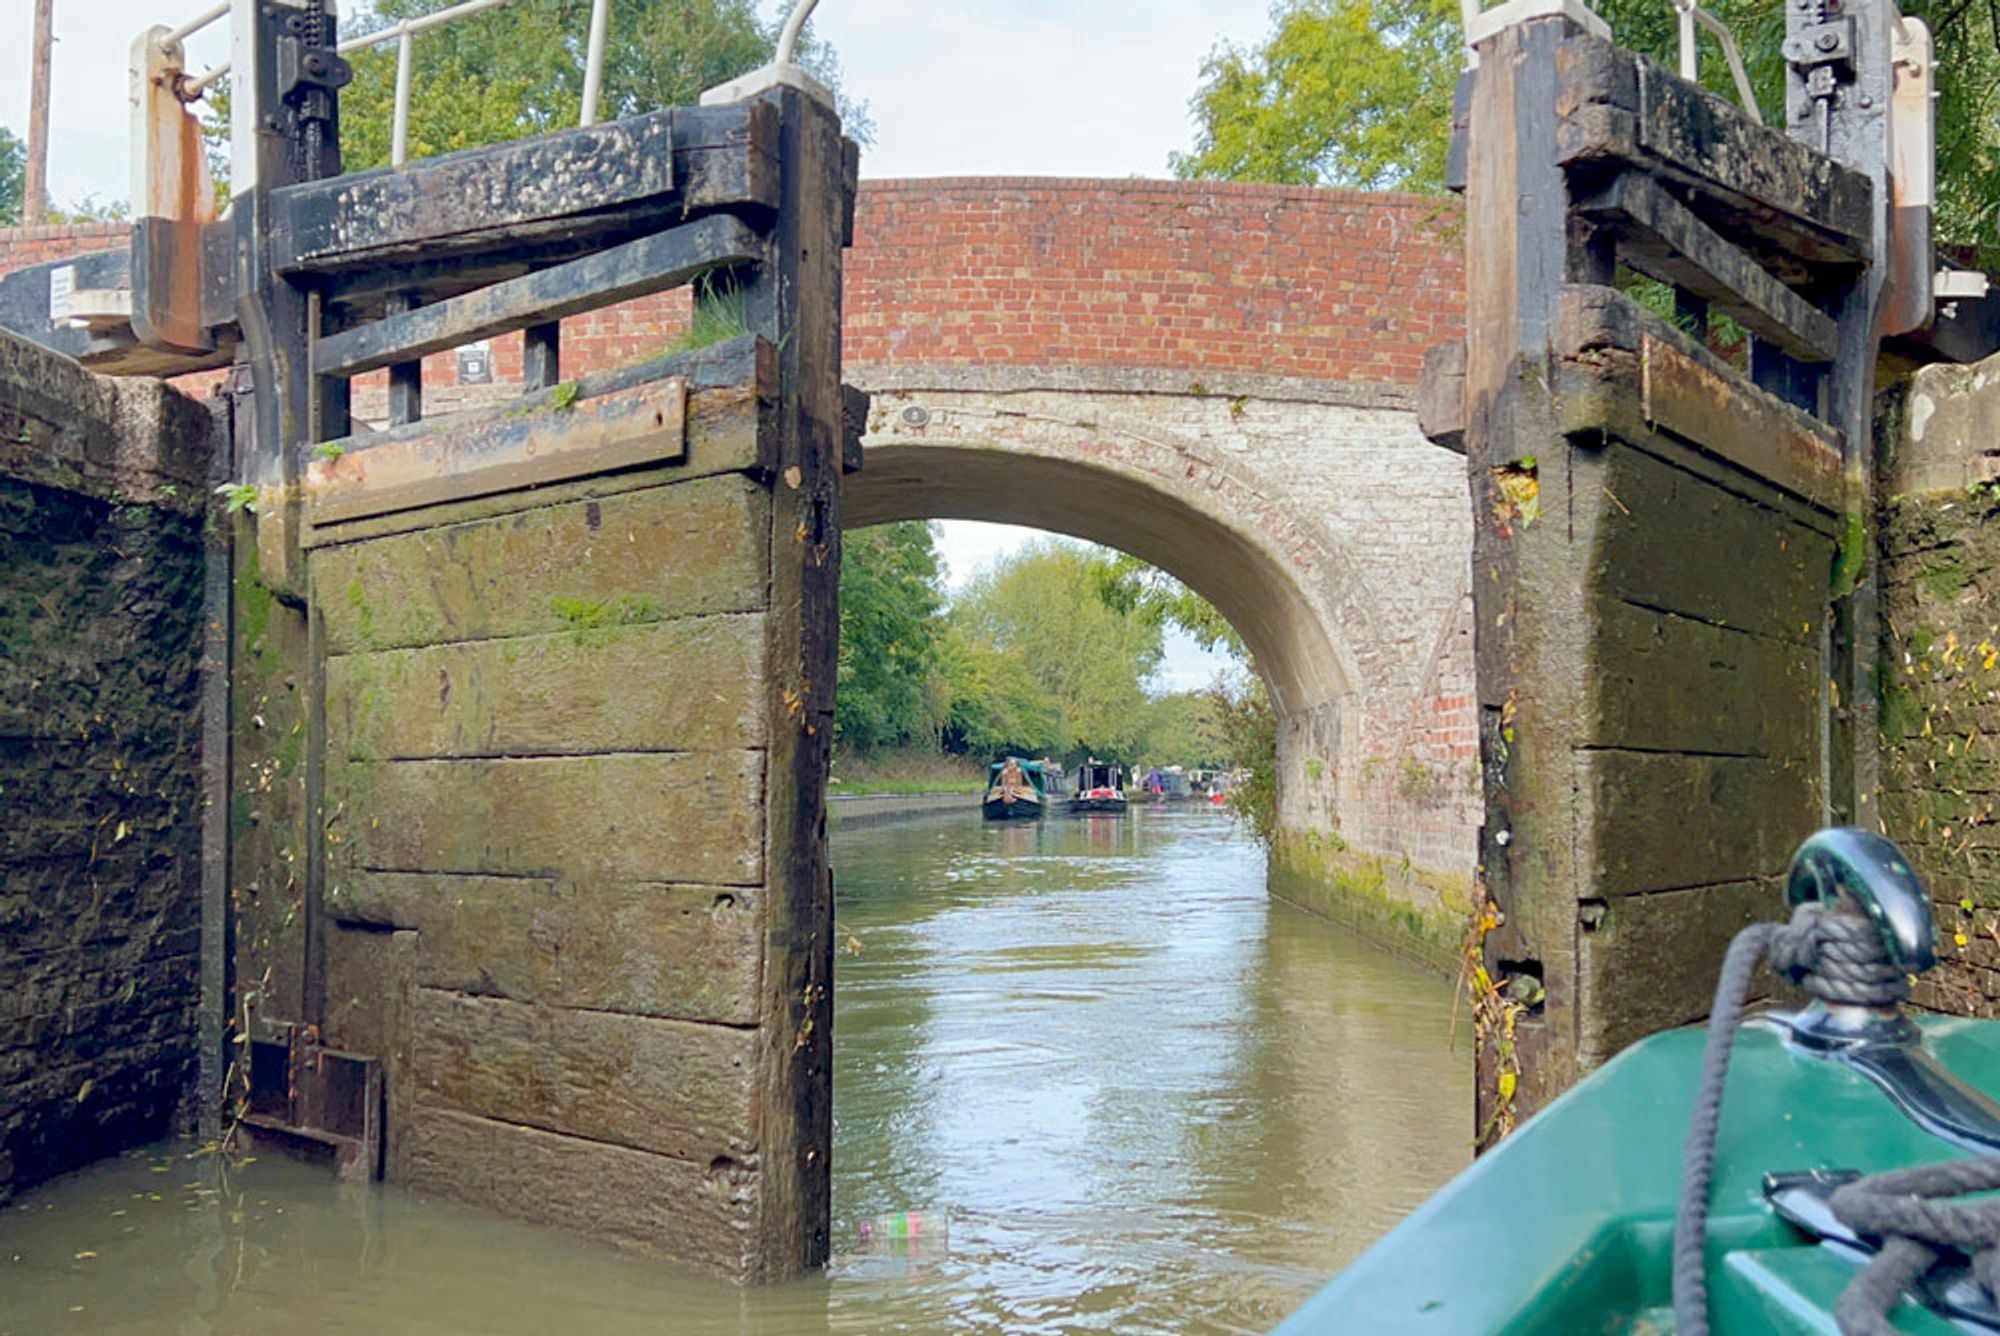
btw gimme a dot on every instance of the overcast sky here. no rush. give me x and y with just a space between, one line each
1009 87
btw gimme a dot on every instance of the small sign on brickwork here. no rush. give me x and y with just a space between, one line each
475 363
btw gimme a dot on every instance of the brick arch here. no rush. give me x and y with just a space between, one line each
1218 379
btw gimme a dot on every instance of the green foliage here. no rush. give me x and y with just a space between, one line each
719 314
590 614
13 176
993 700
890 627
1046 654
88 208
329 451
1090 660
563 395
1358 93
1851 557
238 496
1343 92
518 70
1134 589
1184 728
1248 727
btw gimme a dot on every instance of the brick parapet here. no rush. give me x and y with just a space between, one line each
1190 282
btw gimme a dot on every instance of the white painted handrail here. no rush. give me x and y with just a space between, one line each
195 25
788 40
1689 14
593 60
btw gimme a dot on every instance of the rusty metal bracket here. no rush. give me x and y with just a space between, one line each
316 1102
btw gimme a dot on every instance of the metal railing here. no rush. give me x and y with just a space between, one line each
404 35
1689 14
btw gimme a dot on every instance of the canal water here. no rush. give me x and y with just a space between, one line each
1140 1095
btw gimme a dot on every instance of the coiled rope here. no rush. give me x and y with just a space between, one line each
1839 958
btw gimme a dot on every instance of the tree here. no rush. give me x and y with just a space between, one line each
1041 607
1358 93
13 176
890 624
518 70
1185 728
1344 92
1133 588
1249 730
993 703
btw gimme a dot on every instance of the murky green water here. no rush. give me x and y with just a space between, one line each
1148 1099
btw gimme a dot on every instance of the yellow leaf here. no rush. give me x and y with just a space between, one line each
83 1091
1958 937
85 1255
1507 1083
122 832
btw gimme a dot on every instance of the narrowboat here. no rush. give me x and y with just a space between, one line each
1016 790
1099 787
1583 1220
1055 779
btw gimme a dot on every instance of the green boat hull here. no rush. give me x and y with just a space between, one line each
1567 1227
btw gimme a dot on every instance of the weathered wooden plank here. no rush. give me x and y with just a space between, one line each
726 433
679 1088
1674 941
635 269
1665 683
1728 417
651 816
1614 105
500 453
479 192
698 1214
794 303
691 684
1666 538
1531 852
1441 395
672 551
1721 142
727 156
1666 241
1640 807
1692 395
853 426
640 948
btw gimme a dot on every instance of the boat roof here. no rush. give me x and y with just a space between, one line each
1587 1191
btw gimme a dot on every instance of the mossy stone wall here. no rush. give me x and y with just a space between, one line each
1940 684
101 563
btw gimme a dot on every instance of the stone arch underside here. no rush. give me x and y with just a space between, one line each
1163 504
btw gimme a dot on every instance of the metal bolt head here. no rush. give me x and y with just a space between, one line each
1826 41
916 415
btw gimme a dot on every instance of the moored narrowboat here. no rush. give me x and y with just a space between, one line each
1100 787
1612 1210
1016 790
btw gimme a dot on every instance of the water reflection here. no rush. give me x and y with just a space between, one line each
1150 1099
